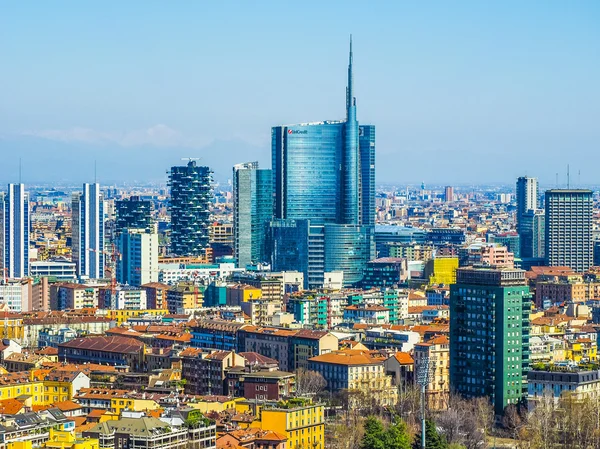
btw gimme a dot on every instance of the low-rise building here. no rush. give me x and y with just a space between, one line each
356 370
561 380
436 352
116 351
138 432
299 420
204 372
367 313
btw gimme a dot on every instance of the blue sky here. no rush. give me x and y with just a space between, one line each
460 92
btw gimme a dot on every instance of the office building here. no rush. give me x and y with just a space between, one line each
191 195
133 213
59 269
511 240
533 234
14 232
138 256
449 194
527 196
324 176
88 231
489 335
569 228
252 211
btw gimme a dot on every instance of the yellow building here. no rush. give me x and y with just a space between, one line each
13 385
12 326
299 420
219 404
121 316
436 352
117 405
581 350
240 293
68 440
184 296
441 270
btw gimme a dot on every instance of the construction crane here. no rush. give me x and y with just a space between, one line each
112 257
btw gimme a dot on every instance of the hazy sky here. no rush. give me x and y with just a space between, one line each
459 91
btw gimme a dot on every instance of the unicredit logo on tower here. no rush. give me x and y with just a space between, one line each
297 131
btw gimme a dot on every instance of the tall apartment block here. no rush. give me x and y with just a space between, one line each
14 228
138 261
88 231
133 213
191 196
252 211
527 193
489 334
449 194
569 228
324 195
527 196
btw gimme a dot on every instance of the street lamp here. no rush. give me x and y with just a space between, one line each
424 373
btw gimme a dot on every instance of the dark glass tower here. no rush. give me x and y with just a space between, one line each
324 172
133 213
191 195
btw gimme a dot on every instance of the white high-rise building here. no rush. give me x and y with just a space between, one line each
14 228
137 263
88 232
527 197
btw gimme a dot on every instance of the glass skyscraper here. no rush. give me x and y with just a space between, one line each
324 172
88 231
252 211
14 238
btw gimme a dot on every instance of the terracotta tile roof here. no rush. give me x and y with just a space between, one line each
85 427
121 345
404 358
373 307
15 378
254 358
439 340
311 334
79 420
432 328
191 352
96 413
123 331
48 350
100 393
67 406
346 357
218 355
183 338
157 285
10 407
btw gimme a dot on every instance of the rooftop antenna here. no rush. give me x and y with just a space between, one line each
568 177
557 180
579 178
20 170
95 171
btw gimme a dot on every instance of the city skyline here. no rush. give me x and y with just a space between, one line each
515 93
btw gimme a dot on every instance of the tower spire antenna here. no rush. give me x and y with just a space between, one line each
350 100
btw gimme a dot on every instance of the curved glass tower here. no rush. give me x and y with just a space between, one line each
324 172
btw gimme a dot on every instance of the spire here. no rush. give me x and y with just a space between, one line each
350 100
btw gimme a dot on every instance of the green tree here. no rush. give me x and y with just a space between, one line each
396 435
375 434
433 440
